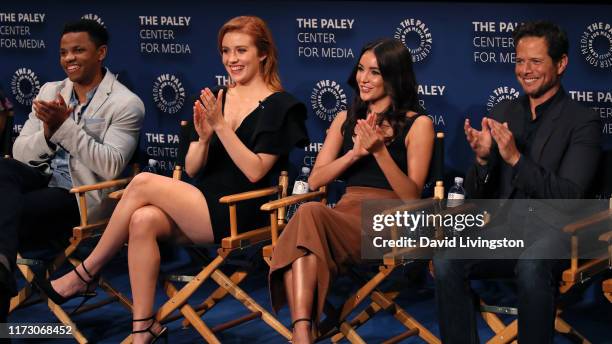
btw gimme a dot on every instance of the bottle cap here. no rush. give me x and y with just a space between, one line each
458 180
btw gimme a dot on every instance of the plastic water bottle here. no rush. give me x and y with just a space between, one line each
456 194
300 187
151 166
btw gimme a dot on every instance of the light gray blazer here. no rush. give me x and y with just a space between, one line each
100 145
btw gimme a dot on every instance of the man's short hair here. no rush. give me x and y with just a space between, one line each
96 31
556 37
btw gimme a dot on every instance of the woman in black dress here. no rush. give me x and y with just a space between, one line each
241 135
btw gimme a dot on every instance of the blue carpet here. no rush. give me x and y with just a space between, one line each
588 312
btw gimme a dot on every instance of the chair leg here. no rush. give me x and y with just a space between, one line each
361 294
567 330
380 301
63 317
19 300
507 335
250 303
123 300
402 316
367 313
191 287
193 317
24 294
216 296
494 322
350 334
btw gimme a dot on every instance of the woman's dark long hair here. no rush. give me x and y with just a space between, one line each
395 65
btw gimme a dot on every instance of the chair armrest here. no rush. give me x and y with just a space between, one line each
100 186
243 196
116 194
413 205
283 202
574 228
607 237
429 203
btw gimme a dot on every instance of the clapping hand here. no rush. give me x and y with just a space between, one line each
52 113
202 127
368 136
212 111
505 141
480 140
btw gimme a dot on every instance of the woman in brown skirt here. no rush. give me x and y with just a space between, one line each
381 147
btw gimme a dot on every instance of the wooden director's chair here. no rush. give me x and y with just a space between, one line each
230 246
580 272
337 324
80 234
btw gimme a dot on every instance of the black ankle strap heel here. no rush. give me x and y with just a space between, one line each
88 293
88 283
163 333
45 286
301 319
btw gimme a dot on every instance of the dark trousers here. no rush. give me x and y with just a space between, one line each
537 284
30 211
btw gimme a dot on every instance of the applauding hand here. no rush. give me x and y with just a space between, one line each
505 141
213 113
480 140
370 135
52 114
202 127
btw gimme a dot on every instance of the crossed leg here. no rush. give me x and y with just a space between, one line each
152 208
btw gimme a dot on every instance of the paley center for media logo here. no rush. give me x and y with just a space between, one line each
500 94
327 99
25 86
596 45
168 93
93 16
411 29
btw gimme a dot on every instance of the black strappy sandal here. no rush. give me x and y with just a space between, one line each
163 333
301 319
45 286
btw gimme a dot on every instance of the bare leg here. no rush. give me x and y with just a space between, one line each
149 224
304 275
182 202
288 279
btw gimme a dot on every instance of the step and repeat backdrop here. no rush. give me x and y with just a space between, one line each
166 52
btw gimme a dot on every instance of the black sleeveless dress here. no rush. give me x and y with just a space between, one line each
276 126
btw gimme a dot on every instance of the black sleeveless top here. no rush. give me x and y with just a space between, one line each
366 172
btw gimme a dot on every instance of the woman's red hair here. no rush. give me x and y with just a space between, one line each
262 37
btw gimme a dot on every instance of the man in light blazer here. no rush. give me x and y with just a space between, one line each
82 130
541 146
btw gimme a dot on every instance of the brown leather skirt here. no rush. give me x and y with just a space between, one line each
332 235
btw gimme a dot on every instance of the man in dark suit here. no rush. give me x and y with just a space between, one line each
542 145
